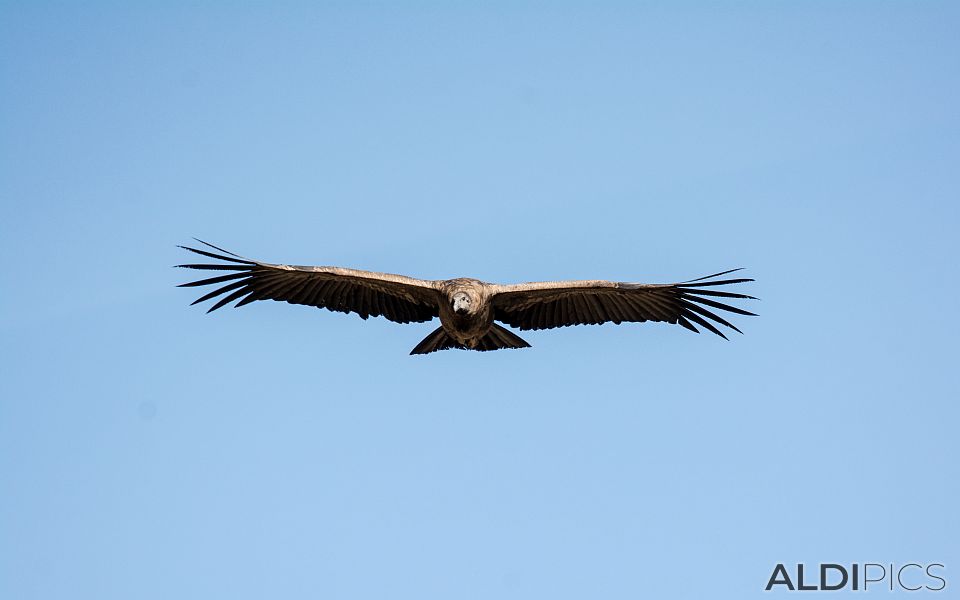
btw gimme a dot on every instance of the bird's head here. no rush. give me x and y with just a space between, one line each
462 303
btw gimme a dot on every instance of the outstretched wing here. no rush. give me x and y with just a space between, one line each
550 304
398 298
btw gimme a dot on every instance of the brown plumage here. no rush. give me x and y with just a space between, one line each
468 308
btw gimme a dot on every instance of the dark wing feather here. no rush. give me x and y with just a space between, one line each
550 304
395 297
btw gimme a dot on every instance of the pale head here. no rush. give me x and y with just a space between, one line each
462 303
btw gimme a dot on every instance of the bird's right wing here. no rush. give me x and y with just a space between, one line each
395 297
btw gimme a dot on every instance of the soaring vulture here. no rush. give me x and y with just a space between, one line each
468 307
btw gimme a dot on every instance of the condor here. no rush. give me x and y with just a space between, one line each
469 309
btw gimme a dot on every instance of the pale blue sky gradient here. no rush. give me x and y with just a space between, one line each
149 451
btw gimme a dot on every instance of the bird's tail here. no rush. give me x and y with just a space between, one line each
496 338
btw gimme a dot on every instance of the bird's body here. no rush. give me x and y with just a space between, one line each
469 324
468 308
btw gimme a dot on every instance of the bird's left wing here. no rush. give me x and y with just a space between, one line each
395 297
549 304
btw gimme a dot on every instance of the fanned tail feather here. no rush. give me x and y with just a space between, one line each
495 339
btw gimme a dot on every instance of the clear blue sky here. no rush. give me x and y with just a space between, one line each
149 451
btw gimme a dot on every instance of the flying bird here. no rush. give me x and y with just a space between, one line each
469 309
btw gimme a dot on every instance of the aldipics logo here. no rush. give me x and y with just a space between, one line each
859 577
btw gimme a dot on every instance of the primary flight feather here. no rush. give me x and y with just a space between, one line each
468 308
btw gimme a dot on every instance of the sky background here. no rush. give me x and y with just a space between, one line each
150 451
